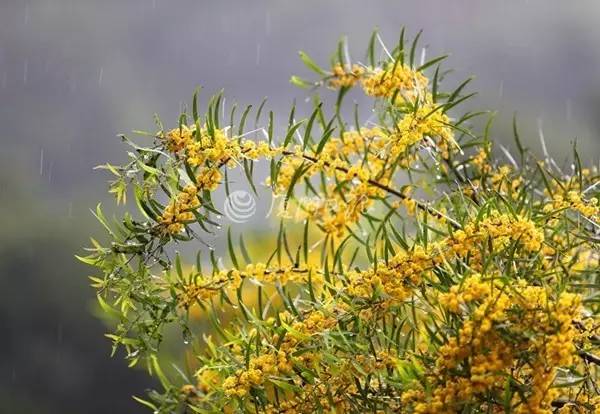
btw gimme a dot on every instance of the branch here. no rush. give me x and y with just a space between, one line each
422 206
590 358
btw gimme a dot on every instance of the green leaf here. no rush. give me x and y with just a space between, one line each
159 372
413 48
309 125
259 111
286 386
300 83
146 403
371 48
195 105
178 266
291 131
107 309
311 64
243 120
231 250
517 137
431 62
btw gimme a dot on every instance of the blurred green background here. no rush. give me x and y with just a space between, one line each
74 73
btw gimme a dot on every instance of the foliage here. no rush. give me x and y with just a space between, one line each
470 288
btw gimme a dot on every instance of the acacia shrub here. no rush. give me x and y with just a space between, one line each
446 280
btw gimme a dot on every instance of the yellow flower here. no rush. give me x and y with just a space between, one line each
395 79
426 121
342 78
178 138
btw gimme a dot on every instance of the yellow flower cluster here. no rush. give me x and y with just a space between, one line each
503 180
204 288
339 159
357 142
260 368
209 152
215 149
573 200
330 214
201 290
396 78
426 121
371 149
520 331
481 161
178 138
334 386
209 179
404 272
330 393
501 230
342 77
408 85
334 214
392 79
471 290
180 210
276 362
395 280
207 380
358 159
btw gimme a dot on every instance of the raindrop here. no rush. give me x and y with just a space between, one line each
25 70
70 210
26 17
257 54
501 89
100 76
154 4
569 108
41 161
